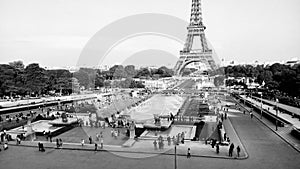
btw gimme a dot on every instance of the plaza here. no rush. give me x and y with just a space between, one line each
138 85
257 139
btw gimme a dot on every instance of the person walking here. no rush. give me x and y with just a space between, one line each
82 142
231 148
251 115
238 150
159 145
217 148
188 155
5 146
169 140
182 137
96 146
101 143
155 144
178 139
42 149
90 139
97 137
18 140
174 140
39 145
50 136
60 142
57 143
112 132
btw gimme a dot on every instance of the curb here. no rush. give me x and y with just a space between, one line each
242 144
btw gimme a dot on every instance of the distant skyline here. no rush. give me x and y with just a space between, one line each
54 32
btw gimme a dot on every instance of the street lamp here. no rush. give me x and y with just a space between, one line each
261 108
276 114
175 166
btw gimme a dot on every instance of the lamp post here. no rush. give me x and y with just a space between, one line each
245 99
261 108
175 153
276 114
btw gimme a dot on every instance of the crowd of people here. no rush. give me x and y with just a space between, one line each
178 139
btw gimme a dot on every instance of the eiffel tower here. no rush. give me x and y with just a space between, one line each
195 48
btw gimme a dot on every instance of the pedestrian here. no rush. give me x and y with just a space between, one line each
228 140
182 137
82 142
231 148
42 147
90 139
18 140
188 153
2 136
60 142
159 144
112 132
174 140
217 148
101 143
160 138
97 137
169 140
50 136
214 142
251 115
226 115
39 145
155 144
57 143
238 150
5 146
225 136
96 146
116 134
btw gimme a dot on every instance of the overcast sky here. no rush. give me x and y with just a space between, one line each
54 32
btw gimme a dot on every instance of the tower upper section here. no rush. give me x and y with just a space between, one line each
196 14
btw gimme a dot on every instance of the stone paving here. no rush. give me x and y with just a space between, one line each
145 148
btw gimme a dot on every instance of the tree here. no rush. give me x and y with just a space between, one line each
165 72
219 81
265 76
17 65
35 79
117 72
143 73
59 80
83 78
130 71
75 85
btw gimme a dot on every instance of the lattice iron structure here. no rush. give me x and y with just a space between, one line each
195 48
